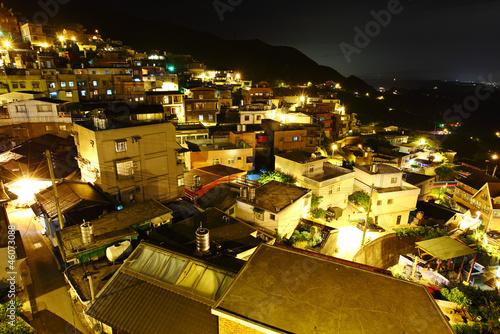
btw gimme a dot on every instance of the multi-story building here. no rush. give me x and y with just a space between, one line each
225 99
392 198
33 33
9 25
202 106
313 171
255 113
33 118
61 84
15 80
133 162
275 207
172 102
207 152
262 93
479 194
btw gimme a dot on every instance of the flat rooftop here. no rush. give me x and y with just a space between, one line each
380 169
301 157
112 227
275 196
330 172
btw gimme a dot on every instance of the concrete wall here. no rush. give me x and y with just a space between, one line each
384 252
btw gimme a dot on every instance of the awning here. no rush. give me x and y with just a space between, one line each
444 248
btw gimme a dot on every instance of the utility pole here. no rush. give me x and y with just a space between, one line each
56 195
367 214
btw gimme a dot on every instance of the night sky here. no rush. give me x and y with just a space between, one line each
445 39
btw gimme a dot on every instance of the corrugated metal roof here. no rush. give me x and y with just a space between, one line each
160 291
132 305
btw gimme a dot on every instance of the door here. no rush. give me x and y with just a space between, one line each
398 221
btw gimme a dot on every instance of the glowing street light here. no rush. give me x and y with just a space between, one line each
7 44
61 38
422 142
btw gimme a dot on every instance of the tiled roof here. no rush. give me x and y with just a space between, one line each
275 196
290 292
70 195
477 180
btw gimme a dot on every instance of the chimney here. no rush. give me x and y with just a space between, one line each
202 240
87 232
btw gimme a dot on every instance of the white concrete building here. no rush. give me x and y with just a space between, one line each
274 207
313 171
393 198
255 113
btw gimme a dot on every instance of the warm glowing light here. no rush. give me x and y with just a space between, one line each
25 190
238 76
73 38
7 44
494 157
334 147
61 38
422 142
302 98
44 45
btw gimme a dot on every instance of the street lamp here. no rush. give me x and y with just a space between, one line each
334 147
495 158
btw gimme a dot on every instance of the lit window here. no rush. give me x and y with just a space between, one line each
200 117
210 117
180 182
63 84
69 94
43 108
295 138
94 83
215 161
83 93
48 128
96 92
109 92
21 108
52 85
230 161
496 214
141 99
71 83
121 145
125 168
486 209
62 127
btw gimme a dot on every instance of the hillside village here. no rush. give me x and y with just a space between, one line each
171 197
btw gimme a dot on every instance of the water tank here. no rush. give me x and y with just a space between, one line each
243 192
87 232
197 181
251 194
124 248
202 240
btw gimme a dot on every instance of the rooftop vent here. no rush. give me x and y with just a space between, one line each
202 240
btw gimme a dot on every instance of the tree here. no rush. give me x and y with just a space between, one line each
360 198
482 305
276 176
446 172
10 320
